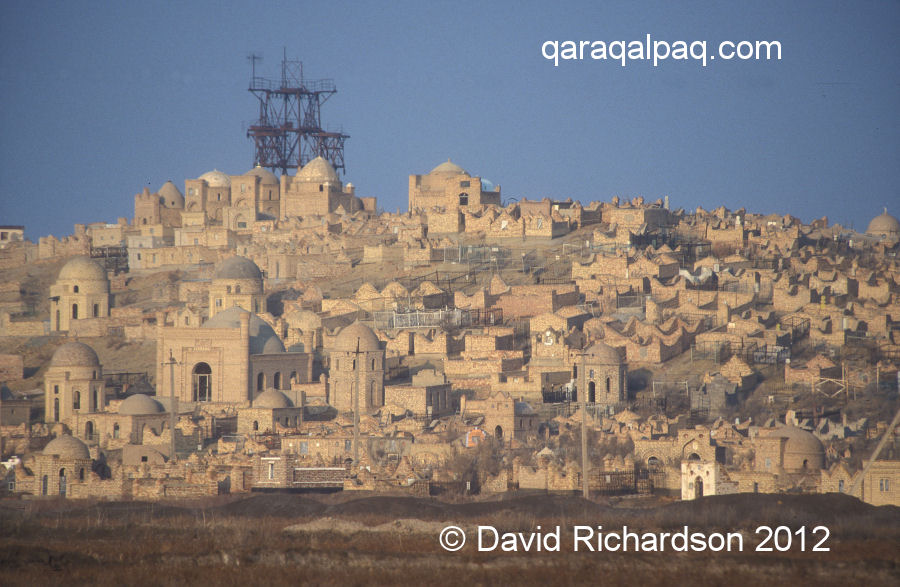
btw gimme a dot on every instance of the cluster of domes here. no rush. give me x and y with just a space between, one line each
74 354
263 340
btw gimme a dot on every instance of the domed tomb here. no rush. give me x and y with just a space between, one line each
216 179
319 170
66 446
171 196
237 268
448 167
884 226
265 176
74 354
346 340
140 405
81 290
263 339
272 399
603 354
84 269
802 451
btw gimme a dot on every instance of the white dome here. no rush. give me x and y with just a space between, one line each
216 179
319 170
884 225
448 167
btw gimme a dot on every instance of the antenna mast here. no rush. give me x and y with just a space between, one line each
288 132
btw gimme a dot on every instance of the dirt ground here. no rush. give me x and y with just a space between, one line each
281 539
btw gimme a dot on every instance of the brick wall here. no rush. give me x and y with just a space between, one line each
12 368
23 327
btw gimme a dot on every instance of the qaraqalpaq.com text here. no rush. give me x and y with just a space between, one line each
657 51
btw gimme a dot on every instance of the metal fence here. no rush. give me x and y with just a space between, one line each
455 317
721 351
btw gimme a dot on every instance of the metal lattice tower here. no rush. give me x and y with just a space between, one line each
288 133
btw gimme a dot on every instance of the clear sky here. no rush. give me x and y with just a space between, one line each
100 99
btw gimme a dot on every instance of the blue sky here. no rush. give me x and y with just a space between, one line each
101 99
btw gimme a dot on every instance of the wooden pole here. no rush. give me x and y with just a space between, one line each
356 408
173 407
584 444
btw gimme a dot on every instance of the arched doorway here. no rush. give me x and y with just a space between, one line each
276 380
202 383
654 463
592 393
62 482
698 488
498 432
261 382
89 431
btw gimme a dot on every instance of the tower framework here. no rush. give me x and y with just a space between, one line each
288 132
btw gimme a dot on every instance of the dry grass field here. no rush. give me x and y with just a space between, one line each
278 539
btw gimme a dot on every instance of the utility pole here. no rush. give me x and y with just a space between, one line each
582 393
173 406
356 406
